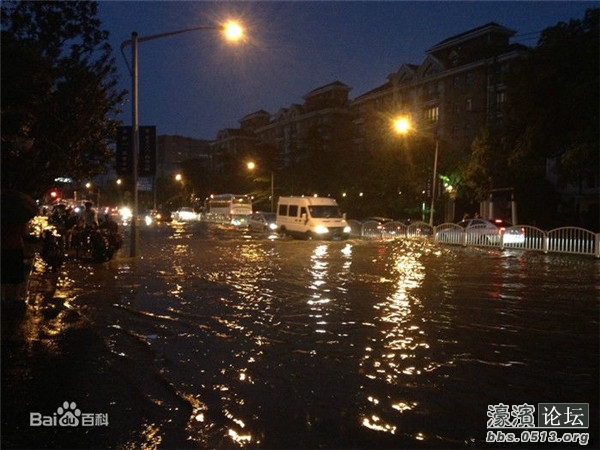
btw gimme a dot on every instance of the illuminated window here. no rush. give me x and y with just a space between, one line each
432 114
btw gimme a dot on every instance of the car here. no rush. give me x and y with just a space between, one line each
381 221
185 214
157 216
483 231
311 218
264 222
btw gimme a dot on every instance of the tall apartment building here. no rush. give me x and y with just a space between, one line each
292 130
456 90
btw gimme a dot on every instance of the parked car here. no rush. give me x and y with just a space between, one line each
263 222
381 221
483 231
185 214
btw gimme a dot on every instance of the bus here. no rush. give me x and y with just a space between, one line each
232 209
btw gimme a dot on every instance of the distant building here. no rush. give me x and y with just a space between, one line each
174 151
457 89
291 130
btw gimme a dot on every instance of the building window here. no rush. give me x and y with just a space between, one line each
456 108
432 114
500 97
469 104
469 79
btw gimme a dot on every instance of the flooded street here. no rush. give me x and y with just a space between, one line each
217 339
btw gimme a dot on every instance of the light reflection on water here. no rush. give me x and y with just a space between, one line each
401 346
279 343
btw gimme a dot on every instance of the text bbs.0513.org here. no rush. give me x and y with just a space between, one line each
537 436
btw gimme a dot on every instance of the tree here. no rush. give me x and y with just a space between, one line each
59 94
552 106
485 168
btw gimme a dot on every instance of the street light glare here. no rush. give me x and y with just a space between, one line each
251 165
402 125
233 31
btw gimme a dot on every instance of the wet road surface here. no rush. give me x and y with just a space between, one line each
214 338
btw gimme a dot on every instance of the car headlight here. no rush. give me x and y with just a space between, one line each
320 229
347 229
273 226
125 213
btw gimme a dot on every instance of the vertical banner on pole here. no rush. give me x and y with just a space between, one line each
124 156
147 161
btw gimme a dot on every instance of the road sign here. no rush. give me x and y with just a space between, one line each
147 161
147 151
124 163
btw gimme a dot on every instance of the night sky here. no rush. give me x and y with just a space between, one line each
195 84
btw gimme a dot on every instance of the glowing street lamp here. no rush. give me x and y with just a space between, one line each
402 126
232 32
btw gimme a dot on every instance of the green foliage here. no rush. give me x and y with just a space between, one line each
553 107
486 168
59 95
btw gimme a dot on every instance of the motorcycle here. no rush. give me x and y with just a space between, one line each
97 245
53 250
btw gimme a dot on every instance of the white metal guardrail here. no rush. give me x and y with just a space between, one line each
570 240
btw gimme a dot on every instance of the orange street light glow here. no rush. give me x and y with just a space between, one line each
402 125
233 31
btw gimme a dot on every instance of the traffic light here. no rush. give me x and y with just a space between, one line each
54 194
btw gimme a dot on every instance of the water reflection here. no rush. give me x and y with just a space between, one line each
399 351
232 342
318 273
329 274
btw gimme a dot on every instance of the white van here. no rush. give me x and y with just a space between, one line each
311 217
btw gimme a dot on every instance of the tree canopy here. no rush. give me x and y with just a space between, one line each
59 94
551 113
553 108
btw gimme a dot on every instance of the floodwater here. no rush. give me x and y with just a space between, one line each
213 338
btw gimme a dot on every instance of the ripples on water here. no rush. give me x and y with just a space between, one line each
248 341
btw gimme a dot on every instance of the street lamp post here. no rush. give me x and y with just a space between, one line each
179 179
402 126
251 166
434 181
272 191
233 32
